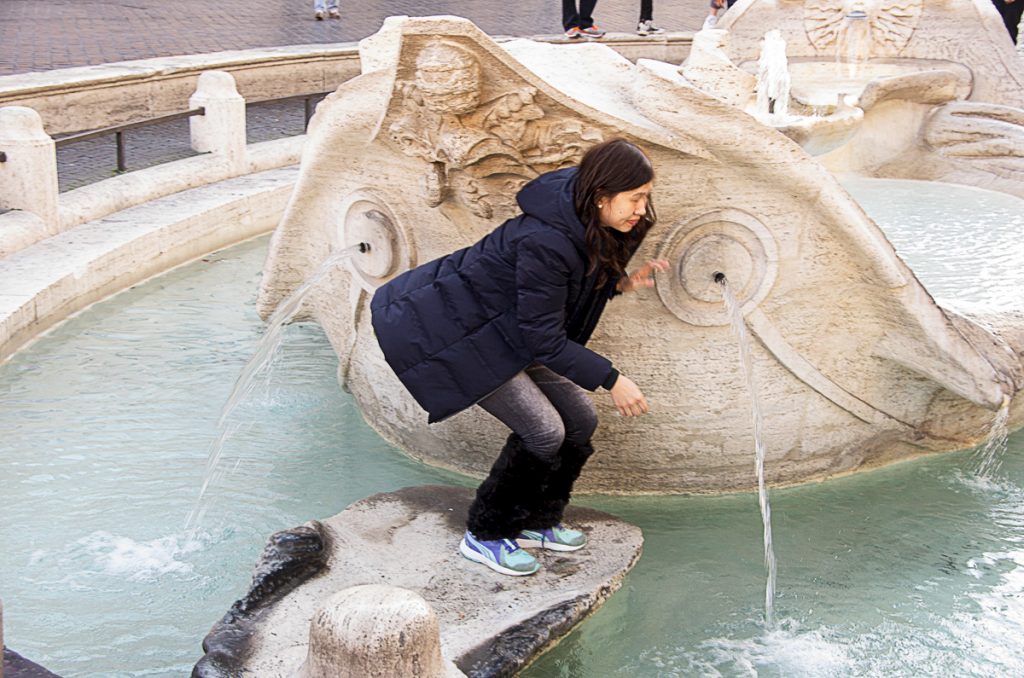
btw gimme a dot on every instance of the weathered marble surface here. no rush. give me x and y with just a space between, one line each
409 539
962 31
955 115
857 364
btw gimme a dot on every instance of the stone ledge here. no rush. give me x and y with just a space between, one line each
491 625
54 278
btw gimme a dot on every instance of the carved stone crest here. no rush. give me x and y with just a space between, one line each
480 153
891 23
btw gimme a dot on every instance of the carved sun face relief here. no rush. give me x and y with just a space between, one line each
727 242
891 23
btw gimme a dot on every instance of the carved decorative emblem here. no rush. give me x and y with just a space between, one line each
367 217
728 242
480 153
890 23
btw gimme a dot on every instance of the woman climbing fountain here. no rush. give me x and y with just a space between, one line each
503 324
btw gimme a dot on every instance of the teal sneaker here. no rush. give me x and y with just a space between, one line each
557 538
501 555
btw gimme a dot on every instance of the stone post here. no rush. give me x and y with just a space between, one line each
28 173
221 130
375 630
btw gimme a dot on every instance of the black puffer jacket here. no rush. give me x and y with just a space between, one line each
456 328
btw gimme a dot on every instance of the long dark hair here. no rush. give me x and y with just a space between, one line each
609 168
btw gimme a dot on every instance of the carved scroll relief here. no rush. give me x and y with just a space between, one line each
978 132
480 154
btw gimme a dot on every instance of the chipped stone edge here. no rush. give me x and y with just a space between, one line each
510 652
279 571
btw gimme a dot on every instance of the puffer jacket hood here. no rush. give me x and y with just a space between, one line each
550 198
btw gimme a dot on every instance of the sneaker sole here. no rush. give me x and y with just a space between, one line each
548 545
470 554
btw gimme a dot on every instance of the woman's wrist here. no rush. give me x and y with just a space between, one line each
609 381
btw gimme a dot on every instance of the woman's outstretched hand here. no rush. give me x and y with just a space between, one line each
643 276
627 397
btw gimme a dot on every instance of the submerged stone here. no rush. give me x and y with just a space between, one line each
16 666
489 624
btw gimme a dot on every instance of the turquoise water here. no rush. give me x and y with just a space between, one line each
913 570
107 422
966 245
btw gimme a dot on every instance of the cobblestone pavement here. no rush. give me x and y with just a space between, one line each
39 35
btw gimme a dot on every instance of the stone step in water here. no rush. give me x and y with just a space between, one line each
490 624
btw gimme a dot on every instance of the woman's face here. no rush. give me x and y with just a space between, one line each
623 211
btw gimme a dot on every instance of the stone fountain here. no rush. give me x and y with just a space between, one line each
423 153
912 89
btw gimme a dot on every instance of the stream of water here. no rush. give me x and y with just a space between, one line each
743 338
990 455
246 382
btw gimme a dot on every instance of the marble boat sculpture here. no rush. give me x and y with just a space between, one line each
423 154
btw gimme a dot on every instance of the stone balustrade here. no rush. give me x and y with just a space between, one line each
28 173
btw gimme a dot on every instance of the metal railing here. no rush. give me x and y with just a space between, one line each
307 103
119 130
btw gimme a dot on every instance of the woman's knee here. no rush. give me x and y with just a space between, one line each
545 441
583 422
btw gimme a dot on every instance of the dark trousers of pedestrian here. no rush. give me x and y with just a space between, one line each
646 10
1011 13
582 18
552 421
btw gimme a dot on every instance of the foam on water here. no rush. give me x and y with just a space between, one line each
787 650
983 485
136 560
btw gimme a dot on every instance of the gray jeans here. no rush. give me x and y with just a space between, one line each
544 409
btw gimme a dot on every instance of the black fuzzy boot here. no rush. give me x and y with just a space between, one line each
506 499
554 494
